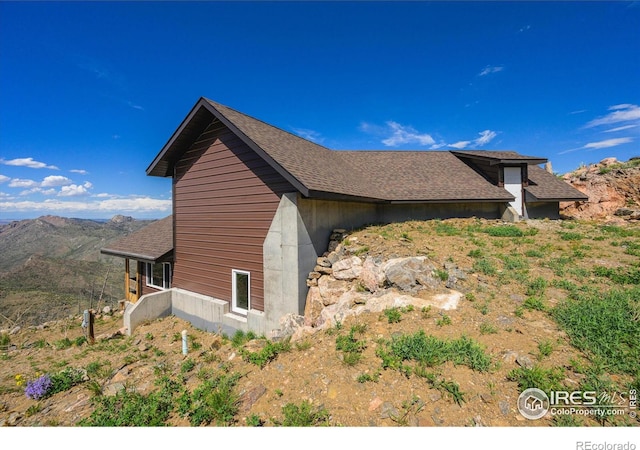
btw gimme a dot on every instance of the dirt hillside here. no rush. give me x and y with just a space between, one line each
513 278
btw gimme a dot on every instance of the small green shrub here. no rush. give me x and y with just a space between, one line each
534 303
5 339
533 253
446 229
476 253
514 262
303 415
545 348
267 354
215 401
254 420
443 320
442 274
393 315
485 266
537 286
364 377
187 365
507 231
431 351
411 407
570 236
537 377
351 347
488 328
63 344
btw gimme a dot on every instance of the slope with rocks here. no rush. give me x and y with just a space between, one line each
376 291
613 188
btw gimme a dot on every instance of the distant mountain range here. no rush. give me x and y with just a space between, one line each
54 265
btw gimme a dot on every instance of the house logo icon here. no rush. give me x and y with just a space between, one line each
533 403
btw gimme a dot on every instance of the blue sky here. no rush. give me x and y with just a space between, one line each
91 91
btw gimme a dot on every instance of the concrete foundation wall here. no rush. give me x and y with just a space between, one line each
288 256
202 311
320 217
541 210
148 307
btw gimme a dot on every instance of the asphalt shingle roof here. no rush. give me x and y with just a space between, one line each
149 244
386 176
546 186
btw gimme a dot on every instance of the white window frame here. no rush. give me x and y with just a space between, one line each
149 272
234 299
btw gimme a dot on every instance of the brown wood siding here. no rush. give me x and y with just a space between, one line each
225 197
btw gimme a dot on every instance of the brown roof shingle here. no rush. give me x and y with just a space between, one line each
418 176
385 176
544 186
150 244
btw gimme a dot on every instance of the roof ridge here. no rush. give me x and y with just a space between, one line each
217 105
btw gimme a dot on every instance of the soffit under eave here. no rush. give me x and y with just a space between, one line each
198 119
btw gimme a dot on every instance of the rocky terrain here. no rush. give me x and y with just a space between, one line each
482 304
613 188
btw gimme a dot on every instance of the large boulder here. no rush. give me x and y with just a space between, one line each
407 273
372 276
347 268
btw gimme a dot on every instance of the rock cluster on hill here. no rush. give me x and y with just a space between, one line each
344 284
613 188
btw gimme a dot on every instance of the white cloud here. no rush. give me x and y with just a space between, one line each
491 69
4 178
402 134
80 171
135 106
486 136
27 162
310 135
620 113
460 145
139 205
21 183
75 190
55 180
608 143
625 127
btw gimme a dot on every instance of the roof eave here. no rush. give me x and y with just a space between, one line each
136 256
455 200
156 168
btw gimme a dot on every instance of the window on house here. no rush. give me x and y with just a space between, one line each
159 275
241 286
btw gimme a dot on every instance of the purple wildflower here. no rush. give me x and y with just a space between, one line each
38 389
